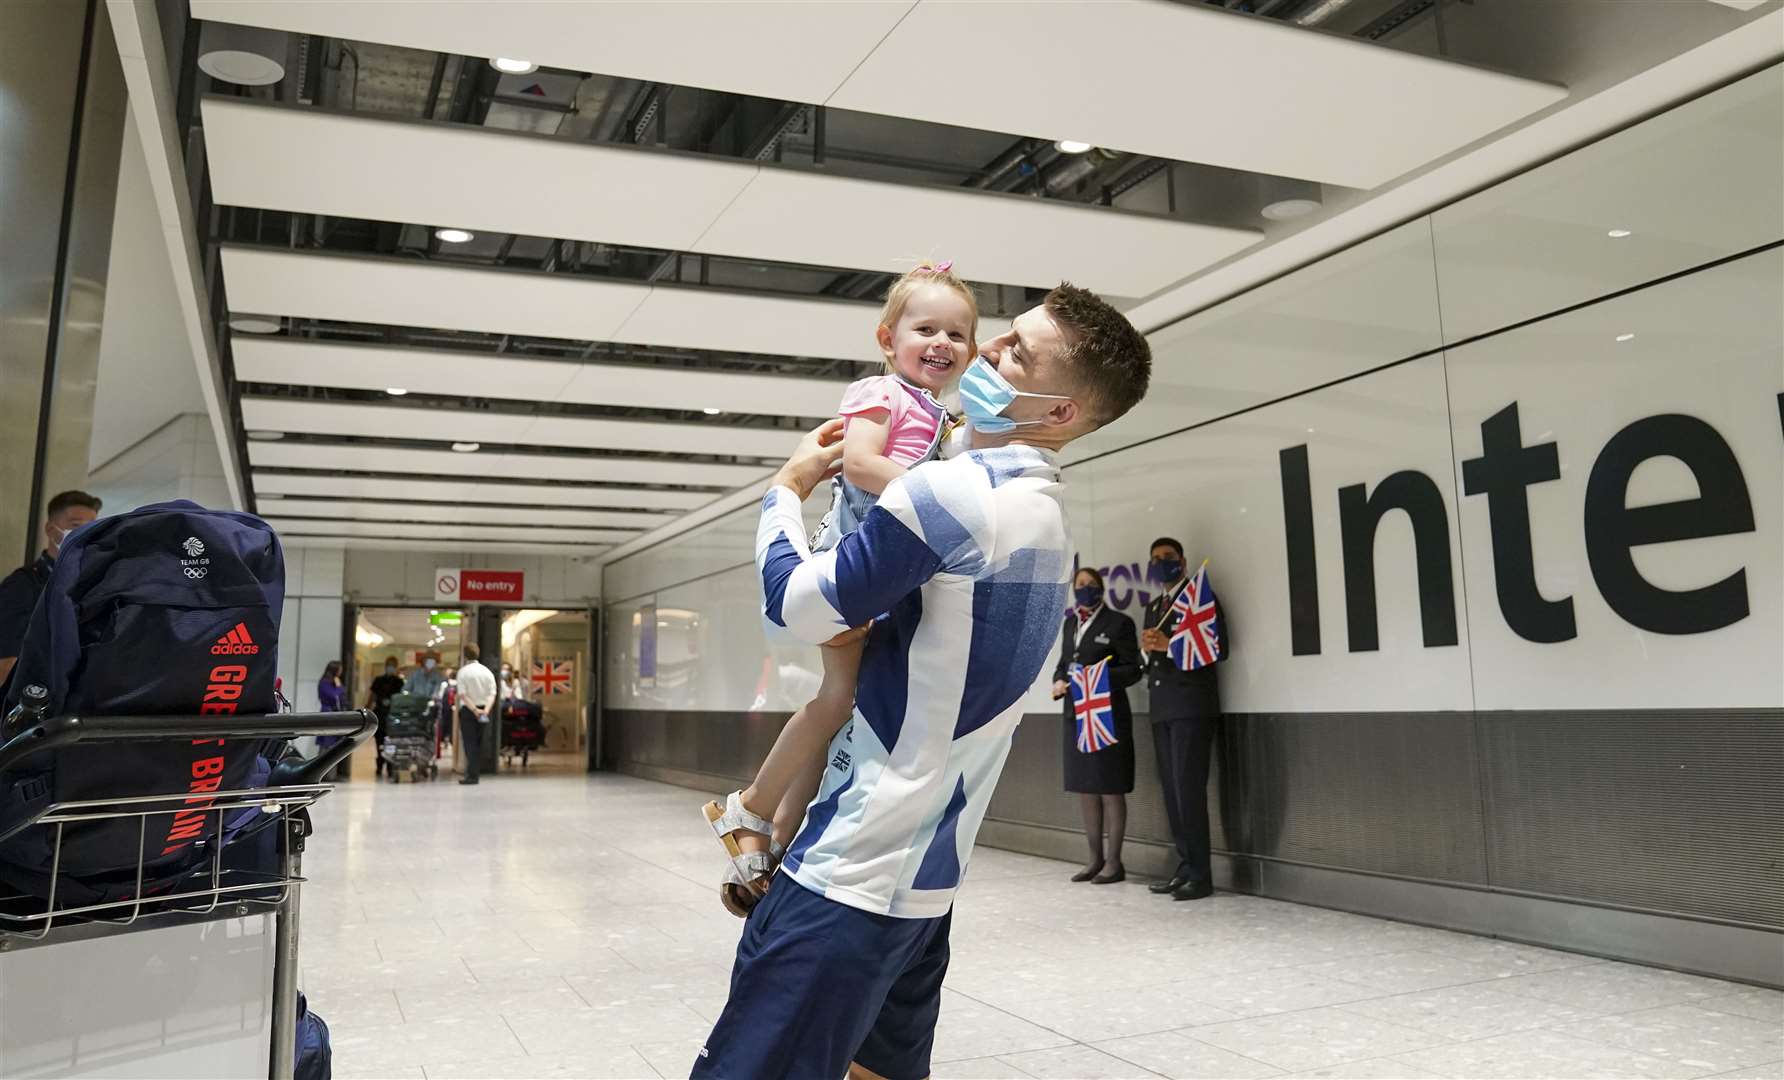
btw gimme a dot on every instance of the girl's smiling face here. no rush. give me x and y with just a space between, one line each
933 340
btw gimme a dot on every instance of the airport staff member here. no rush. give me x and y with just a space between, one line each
19 592
1185 707
476 696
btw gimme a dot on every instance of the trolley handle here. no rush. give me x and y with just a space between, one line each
56 732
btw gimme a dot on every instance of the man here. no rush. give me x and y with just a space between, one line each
476 695
840 966
425 680
377 699
1185 706
19 592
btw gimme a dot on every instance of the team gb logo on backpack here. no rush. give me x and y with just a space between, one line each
196 566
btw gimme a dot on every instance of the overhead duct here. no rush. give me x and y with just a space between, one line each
1320 12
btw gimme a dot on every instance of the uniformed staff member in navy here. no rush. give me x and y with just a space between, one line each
19 592
1102 778
1185 708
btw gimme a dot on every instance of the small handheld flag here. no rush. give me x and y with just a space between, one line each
1196 641
1093 706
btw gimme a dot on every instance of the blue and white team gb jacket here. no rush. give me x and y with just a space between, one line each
968 560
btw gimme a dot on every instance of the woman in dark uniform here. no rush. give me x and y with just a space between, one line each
1103 777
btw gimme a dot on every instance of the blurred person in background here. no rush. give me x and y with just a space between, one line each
331 694
425 680
377 699
1099 731
476 696
330 691
65 513
1185 708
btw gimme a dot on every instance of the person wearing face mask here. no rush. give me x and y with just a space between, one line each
377 699
1100 772
424 680
65 513
1185 707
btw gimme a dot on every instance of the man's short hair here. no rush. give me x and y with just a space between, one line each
1112 363
470 651
68 500
1165 541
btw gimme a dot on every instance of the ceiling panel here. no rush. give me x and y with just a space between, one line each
485 493
1318 106
444 545
406 292
814 46
301 362
806 217
454 535
390 169
387 169
466 513
415 293
516 467
446 425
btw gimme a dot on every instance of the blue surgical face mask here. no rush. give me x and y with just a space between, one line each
985 394
1164 571
1088 595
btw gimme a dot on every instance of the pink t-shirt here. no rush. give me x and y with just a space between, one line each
914 416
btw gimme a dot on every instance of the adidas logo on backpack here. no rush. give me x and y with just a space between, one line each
235 643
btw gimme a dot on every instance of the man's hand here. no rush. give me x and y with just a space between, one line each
1059 689
1154 640
848 637
817 458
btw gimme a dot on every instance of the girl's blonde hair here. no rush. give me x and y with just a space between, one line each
927 273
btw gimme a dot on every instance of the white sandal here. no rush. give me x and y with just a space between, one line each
747 867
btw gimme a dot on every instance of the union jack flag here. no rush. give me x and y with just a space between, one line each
552 676
1196 641
1093 706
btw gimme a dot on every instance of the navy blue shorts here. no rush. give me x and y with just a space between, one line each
818 984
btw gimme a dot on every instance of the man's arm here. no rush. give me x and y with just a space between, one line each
819 596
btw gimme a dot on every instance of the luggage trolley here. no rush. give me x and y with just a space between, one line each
95 965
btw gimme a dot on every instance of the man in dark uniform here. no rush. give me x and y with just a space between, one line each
19 592
1185 707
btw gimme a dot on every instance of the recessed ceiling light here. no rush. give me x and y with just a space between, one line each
710 411
509 66
1289 209
467 447
395 391
454 236
254 324
1072 146
1618 234
1625 337
266 436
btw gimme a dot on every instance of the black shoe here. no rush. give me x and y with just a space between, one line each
1120 874
1193 890
467 781
1159 888
1088 872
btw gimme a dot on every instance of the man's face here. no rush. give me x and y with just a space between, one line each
1030 354
57 528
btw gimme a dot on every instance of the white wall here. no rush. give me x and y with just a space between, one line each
1386 359
310 629
177 460
146 373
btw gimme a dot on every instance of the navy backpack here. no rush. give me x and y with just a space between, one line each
169 609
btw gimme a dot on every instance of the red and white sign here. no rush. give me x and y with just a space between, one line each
470 586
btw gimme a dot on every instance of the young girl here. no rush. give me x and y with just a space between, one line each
927 335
